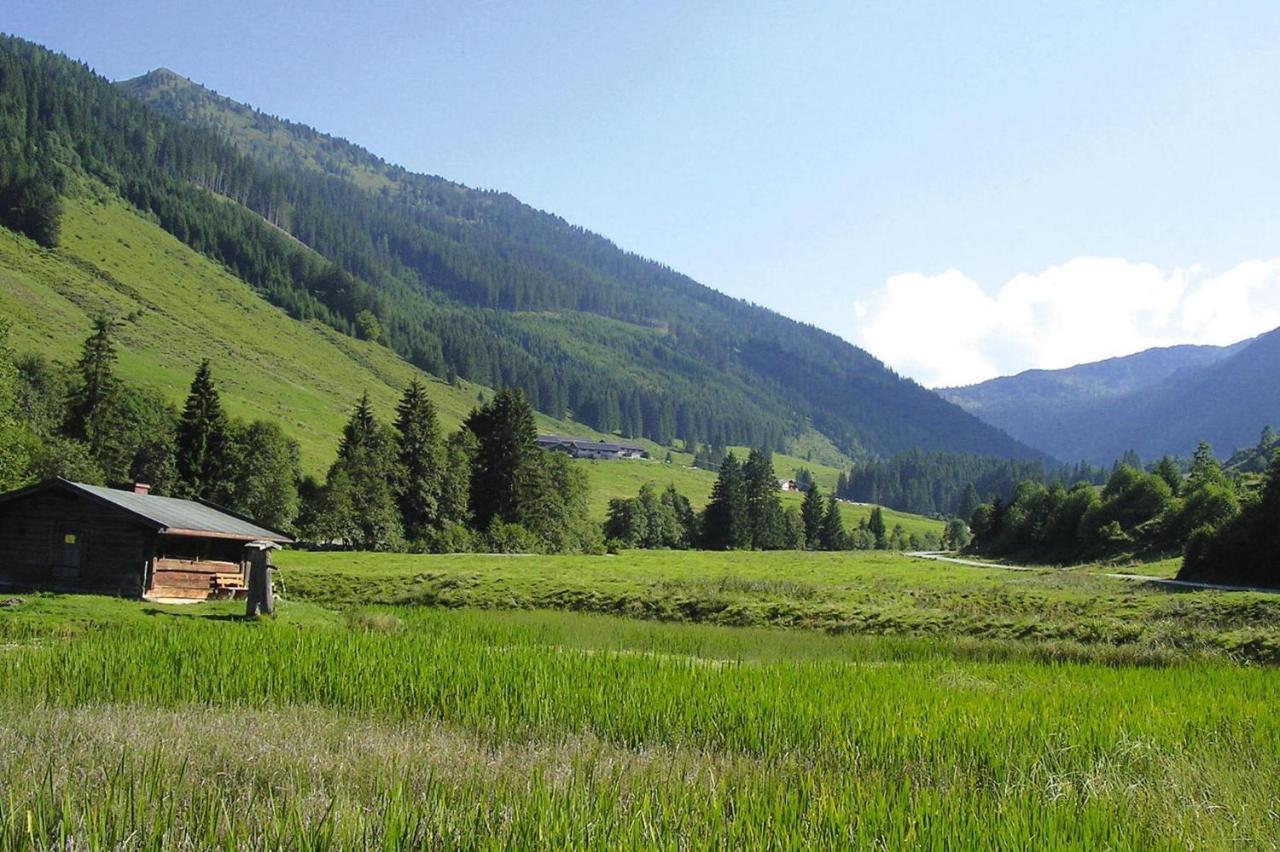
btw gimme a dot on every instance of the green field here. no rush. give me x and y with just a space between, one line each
1061 613
130 725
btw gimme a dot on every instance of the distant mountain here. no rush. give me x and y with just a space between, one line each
1155 402
460 282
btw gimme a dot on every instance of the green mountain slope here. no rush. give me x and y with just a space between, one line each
178 307
623 343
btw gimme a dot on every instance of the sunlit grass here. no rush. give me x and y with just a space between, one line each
395 728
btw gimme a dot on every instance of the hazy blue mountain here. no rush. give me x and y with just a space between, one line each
1155 402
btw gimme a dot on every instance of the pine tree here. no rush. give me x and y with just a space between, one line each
419 452
969 501
88 404
501 473
363 482
455 480
1167 469
202 442
1205 469
724 525
831 535
811 513
764 507
877 528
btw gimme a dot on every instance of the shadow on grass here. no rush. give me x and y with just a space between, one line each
205 616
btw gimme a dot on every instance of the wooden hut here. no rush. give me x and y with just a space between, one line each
67 536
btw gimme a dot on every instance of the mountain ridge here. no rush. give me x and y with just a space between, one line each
464 284
769 362
1159 401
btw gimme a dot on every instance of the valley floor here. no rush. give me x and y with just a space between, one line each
939 706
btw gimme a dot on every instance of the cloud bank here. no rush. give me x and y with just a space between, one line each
947 329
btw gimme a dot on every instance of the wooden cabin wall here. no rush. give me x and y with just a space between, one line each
113 548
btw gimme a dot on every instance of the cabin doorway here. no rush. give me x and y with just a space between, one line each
68 553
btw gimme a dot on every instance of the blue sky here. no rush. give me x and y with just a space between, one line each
966 189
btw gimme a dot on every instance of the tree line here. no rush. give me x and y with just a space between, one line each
745 512
1223 522
951 484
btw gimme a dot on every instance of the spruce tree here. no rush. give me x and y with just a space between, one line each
88 404
811 514
831 535
363 481
455 480
1205 469
763 506
419 452
877 528
969 501
724 525
501 472
1167 469
202 442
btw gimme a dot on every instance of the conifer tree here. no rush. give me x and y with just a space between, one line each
363 481
811 512
88 403
877 528
419 452
455 480
831 535
202 442
1205 469
501 474
1167 469
724 525
763 506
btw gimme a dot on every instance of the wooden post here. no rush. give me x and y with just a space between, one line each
261 595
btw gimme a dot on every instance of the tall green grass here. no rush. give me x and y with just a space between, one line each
1079 612
562 730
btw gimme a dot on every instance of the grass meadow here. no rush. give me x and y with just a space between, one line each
1075 613
136 726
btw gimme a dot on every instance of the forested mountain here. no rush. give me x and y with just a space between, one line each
459 281
1157 402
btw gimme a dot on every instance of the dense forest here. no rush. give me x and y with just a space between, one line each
950 484
459 281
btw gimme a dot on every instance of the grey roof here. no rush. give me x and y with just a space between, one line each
170 513
585 444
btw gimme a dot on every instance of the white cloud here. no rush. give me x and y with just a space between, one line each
947 330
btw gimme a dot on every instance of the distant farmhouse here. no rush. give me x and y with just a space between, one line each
579 448
66 536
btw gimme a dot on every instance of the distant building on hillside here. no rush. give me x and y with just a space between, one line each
67 536
791 485
579 448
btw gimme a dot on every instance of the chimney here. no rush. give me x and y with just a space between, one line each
141 488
